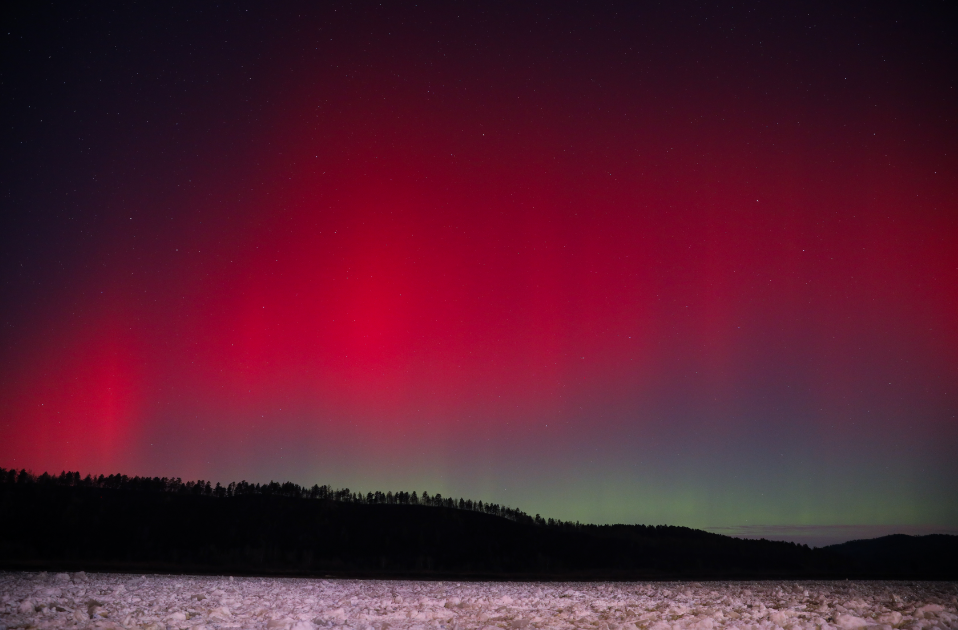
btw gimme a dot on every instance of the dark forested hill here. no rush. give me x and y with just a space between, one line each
91 527
899 554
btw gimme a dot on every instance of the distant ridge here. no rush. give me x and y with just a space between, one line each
118 523
935 554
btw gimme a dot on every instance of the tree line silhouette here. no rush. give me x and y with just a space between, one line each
122 523
203 488
176 485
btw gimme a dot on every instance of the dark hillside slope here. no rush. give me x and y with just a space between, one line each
61 527
901 556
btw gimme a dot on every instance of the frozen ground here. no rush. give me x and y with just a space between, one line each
112 602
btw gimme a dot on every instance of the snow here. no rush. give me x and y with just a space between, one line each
160 602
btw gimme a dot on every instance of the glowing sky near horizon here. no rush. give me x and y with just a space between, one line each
681 266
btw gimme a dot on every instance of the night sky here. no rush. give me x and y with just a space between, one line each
661 263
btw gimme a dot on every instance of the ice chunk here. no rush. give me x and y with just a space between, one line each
221 612
850 622
892 618
703 624
778 618
25 607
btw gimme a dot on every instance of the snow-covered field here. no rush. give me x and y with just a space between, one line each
151 602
